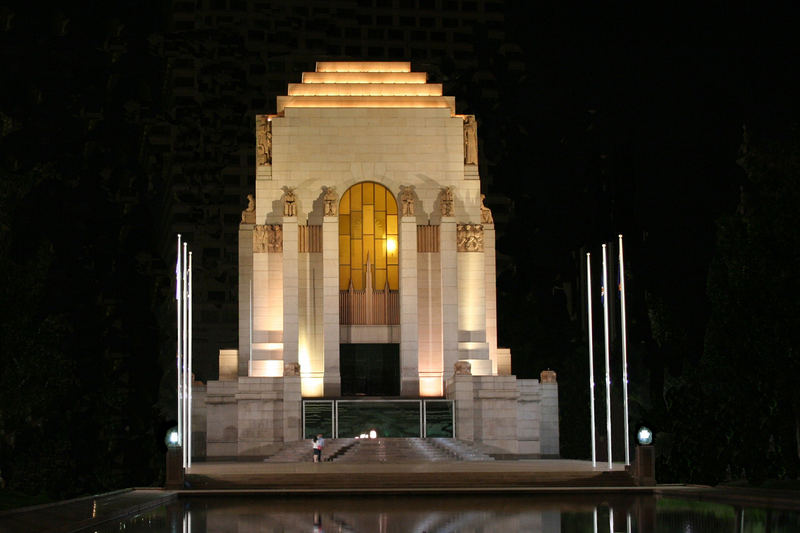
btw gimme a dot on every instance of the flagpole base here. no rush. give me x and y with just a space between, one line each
175 471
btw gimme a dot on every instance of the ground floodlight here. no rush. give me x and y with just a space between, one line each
644 436
173 439
373 434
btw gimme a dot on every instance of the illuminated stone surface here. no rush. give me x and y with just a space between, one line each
372 161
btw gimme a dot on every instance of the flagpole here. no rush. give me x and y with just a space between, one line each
608 363
591 354
190 376
179 305
624 351
185 342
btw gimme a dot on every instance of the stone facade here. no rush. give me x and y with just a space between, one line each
374 123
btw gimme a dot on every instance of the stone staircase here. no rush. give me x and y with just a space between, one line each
462 450
391 450
301 451
388 450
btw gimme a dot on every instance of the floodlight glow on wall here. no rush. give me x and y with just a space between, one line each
363 66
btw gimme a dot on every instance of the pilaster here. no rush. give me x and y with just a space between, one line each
245 279
290 290
332 384
447 247
490 276
409 322
471 292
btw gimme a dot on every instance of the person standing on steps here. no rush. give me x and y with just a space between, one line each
320 443
317 449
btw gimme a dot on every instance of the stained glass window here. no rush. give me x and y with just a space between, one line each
368 228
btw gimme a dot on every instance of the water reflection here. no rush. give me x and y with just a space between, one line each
445 514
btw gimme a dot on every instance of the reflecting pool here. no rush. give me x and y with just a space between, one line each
456 513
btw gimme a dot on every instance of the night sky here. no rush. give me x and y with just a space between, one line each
676 129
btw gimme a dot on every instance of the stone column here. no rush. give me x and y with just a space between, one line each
267 300
332 383
409 321
490 276
291 287
447 247
245 278
471 299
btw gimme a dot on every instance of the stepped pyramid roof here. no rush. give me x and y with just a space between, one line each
365 84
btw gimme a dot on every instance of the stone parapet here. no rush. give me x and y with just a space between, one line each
549 420
251 416
506 412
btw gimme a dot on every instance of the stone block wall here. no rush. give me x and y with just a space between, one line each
529 416
221 416
198 419
518 415
252 416
549 416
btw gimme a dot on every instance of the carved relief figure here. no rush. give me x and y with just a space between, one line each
263 140
447 202
331 199
486 213
267 238
259 238
291 369
406 201
275 238
289 203
469 237
470 140
463 368
249 214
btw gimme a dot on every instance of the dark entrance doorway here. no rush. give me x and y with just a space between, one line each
370 369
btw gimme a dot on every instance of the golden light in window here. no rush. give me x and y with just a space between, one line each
368 233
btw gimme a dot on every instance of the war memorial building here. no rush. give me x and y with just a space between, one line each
367 295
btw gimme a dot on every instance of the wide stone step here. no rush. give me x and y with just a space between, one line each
331 477
393 450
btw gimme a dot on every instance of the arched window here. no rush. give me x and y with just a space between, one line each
368 233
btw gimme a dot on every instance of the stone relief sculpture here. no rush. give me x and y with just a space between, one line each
289 203
463 368
470 140
486 213
275 238
447 203
267 238
330 199
249 213
259 238
469 237
547 376
406 201
291 369
263 140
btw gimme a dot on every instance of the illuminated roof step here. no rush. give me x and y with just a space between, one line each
365 89
363 66
368 101
364 77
